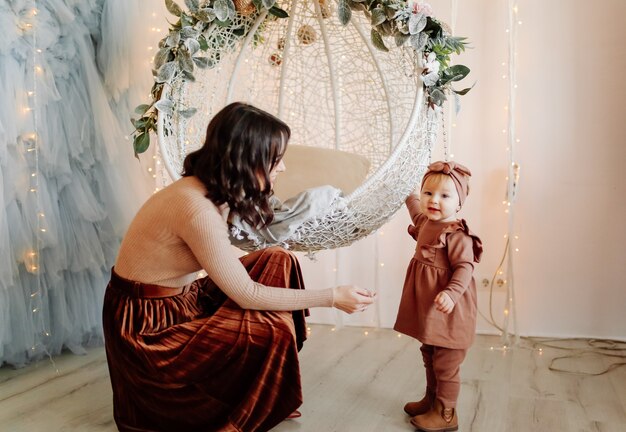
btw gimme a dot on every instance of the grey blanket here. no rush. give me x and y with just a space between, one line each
288 217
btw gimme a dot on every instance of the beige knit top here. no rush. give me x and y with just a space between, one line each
178 232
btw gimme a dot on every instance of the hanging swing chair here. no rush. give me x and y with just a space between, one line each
341 95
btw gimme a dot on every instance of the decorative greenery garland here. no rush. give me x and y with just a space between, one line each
182 49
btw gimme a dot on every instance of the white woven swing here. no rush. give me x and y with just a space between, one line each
335 90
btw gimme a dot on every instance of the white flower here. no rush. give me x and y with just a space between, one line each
431 63
431 69
430 79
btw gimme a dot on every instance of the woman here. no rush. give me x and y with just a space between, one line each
218 353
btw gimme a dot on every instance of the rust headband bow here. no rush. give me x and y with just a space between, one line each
458 173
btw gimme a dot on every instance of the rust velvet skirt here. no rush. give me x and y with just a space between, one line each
195 361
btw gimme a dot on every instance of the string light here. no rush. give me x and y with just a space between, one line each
156 171
449 113
513 176
504 272
32 143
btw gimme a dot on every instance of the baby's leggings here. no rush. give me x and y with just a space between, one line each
442 372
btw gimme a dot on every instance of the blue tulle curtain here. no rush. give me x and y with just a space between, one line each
67 188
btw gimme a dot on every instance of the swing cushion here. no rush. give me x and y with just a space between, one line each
309 167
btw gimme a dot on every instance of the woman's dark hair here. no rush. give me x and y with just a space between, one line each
243 143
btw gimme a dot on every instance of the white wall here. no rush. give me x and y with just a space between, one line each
570 271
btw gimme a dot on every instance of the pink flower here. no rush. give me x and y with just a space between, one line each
421 8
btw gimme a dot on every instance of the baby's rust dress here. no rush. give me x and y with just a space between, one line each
443 248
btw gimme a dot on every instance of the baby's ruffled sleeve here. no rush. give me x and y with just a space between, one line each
464 249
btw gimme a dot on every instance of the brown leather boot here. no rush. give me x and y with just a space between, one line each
420 407
438 419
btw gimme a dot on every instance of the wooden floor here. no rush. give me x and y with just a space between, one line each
355 379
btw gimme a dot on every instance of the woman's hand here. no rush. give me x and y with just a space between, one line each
350 299
444 303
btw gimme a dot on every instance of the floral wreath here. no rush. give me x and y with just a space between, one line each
407 21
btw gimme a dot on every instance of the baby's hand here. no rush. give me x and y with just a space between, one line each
444 303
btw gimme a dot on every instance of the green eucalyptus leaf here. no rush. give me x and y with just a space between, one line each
141 109
173 39
268 3
232 10
344 12
140 123
437 96
357 7
278 12
141 143
221 23
192 5
457 72
445 79
184 61
166 72
221 9
454 73
377 40
173 8
188 113
418 41
188 76
161 57
189 32
386 28
204 45
417 23
193 46
186 21
463 92
201 62
378 17
205 15
165 106
401 39
176 26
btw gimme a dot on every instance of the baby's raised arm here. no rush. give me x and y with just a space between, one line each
413 205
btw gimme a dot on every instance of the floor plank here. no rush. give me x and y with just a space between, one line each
356 379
